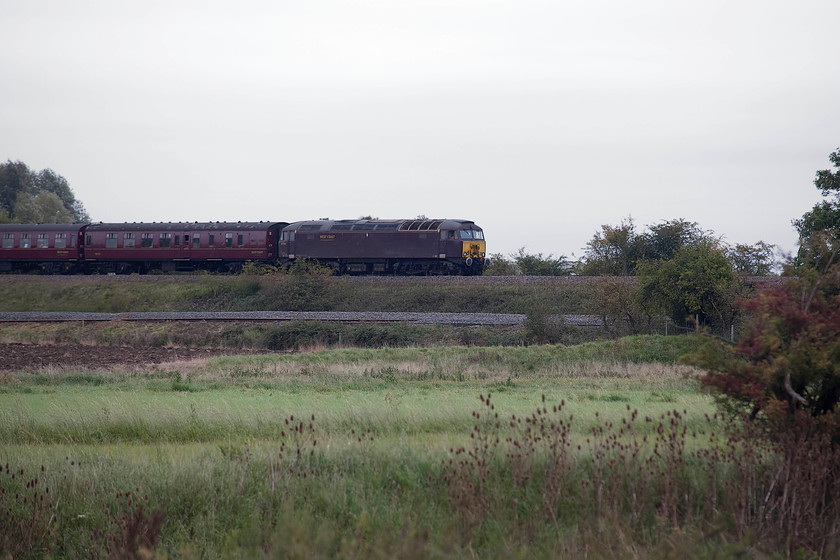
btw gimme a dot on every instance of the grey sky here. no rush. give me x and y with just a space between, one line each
540 120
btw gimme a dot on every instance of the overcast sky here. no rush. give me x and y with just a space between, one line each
539 120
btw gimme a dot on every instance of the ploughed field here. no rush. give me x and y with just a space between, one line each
32 357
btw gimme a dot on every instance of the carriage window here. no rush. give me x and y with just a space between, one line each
212 240
60 240
228 240
146 240
165 239
239 240
43 240
128 241
196 241
8 240
25 242
110 240
177 240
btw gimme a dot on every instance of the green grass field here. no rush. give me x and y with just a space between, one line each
603 449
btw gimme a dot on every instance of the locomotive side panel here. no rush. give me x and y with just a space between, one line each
388 246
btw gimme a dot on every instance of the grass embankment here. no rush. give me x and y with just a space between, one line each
288 293
283 292
602 449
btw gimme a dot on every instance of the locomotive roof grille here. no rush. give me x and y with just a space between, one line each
422 225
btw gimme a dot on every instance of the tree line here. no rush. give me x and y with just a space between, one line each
27 196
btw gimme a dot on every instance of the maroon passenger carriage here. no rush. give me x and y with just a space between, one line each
387 246
169 247
49 248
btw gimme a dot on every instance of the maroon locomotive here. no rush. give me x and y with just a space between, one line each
347 246
388 246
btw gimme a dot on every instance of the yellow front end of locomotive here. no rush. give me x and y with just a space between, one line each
474 249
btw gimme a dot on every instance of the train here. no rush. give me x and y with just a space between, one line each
353 247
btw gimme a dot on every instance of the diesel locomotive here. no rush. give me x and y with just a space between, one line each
403 247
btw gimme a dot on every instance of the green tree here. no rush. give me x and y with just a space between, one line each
663 241
752 260
43 208
614 251
500 266
45 196
698 285
819 228
15 180
616 300
537 265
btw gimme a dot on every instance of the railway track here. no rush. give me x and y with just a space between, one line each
453 319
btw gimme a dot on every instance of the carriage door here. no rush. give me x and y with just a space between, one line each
287 244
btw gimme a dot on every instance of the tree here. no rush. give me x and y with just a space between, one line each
15 179
525 264
819 228
614 251
618 250
697 285
43 208
662 241
615 299
26 196
789 358
500 265
537 265
752 260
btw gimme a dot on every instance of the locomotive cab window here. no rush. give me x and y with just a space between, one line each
471 234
